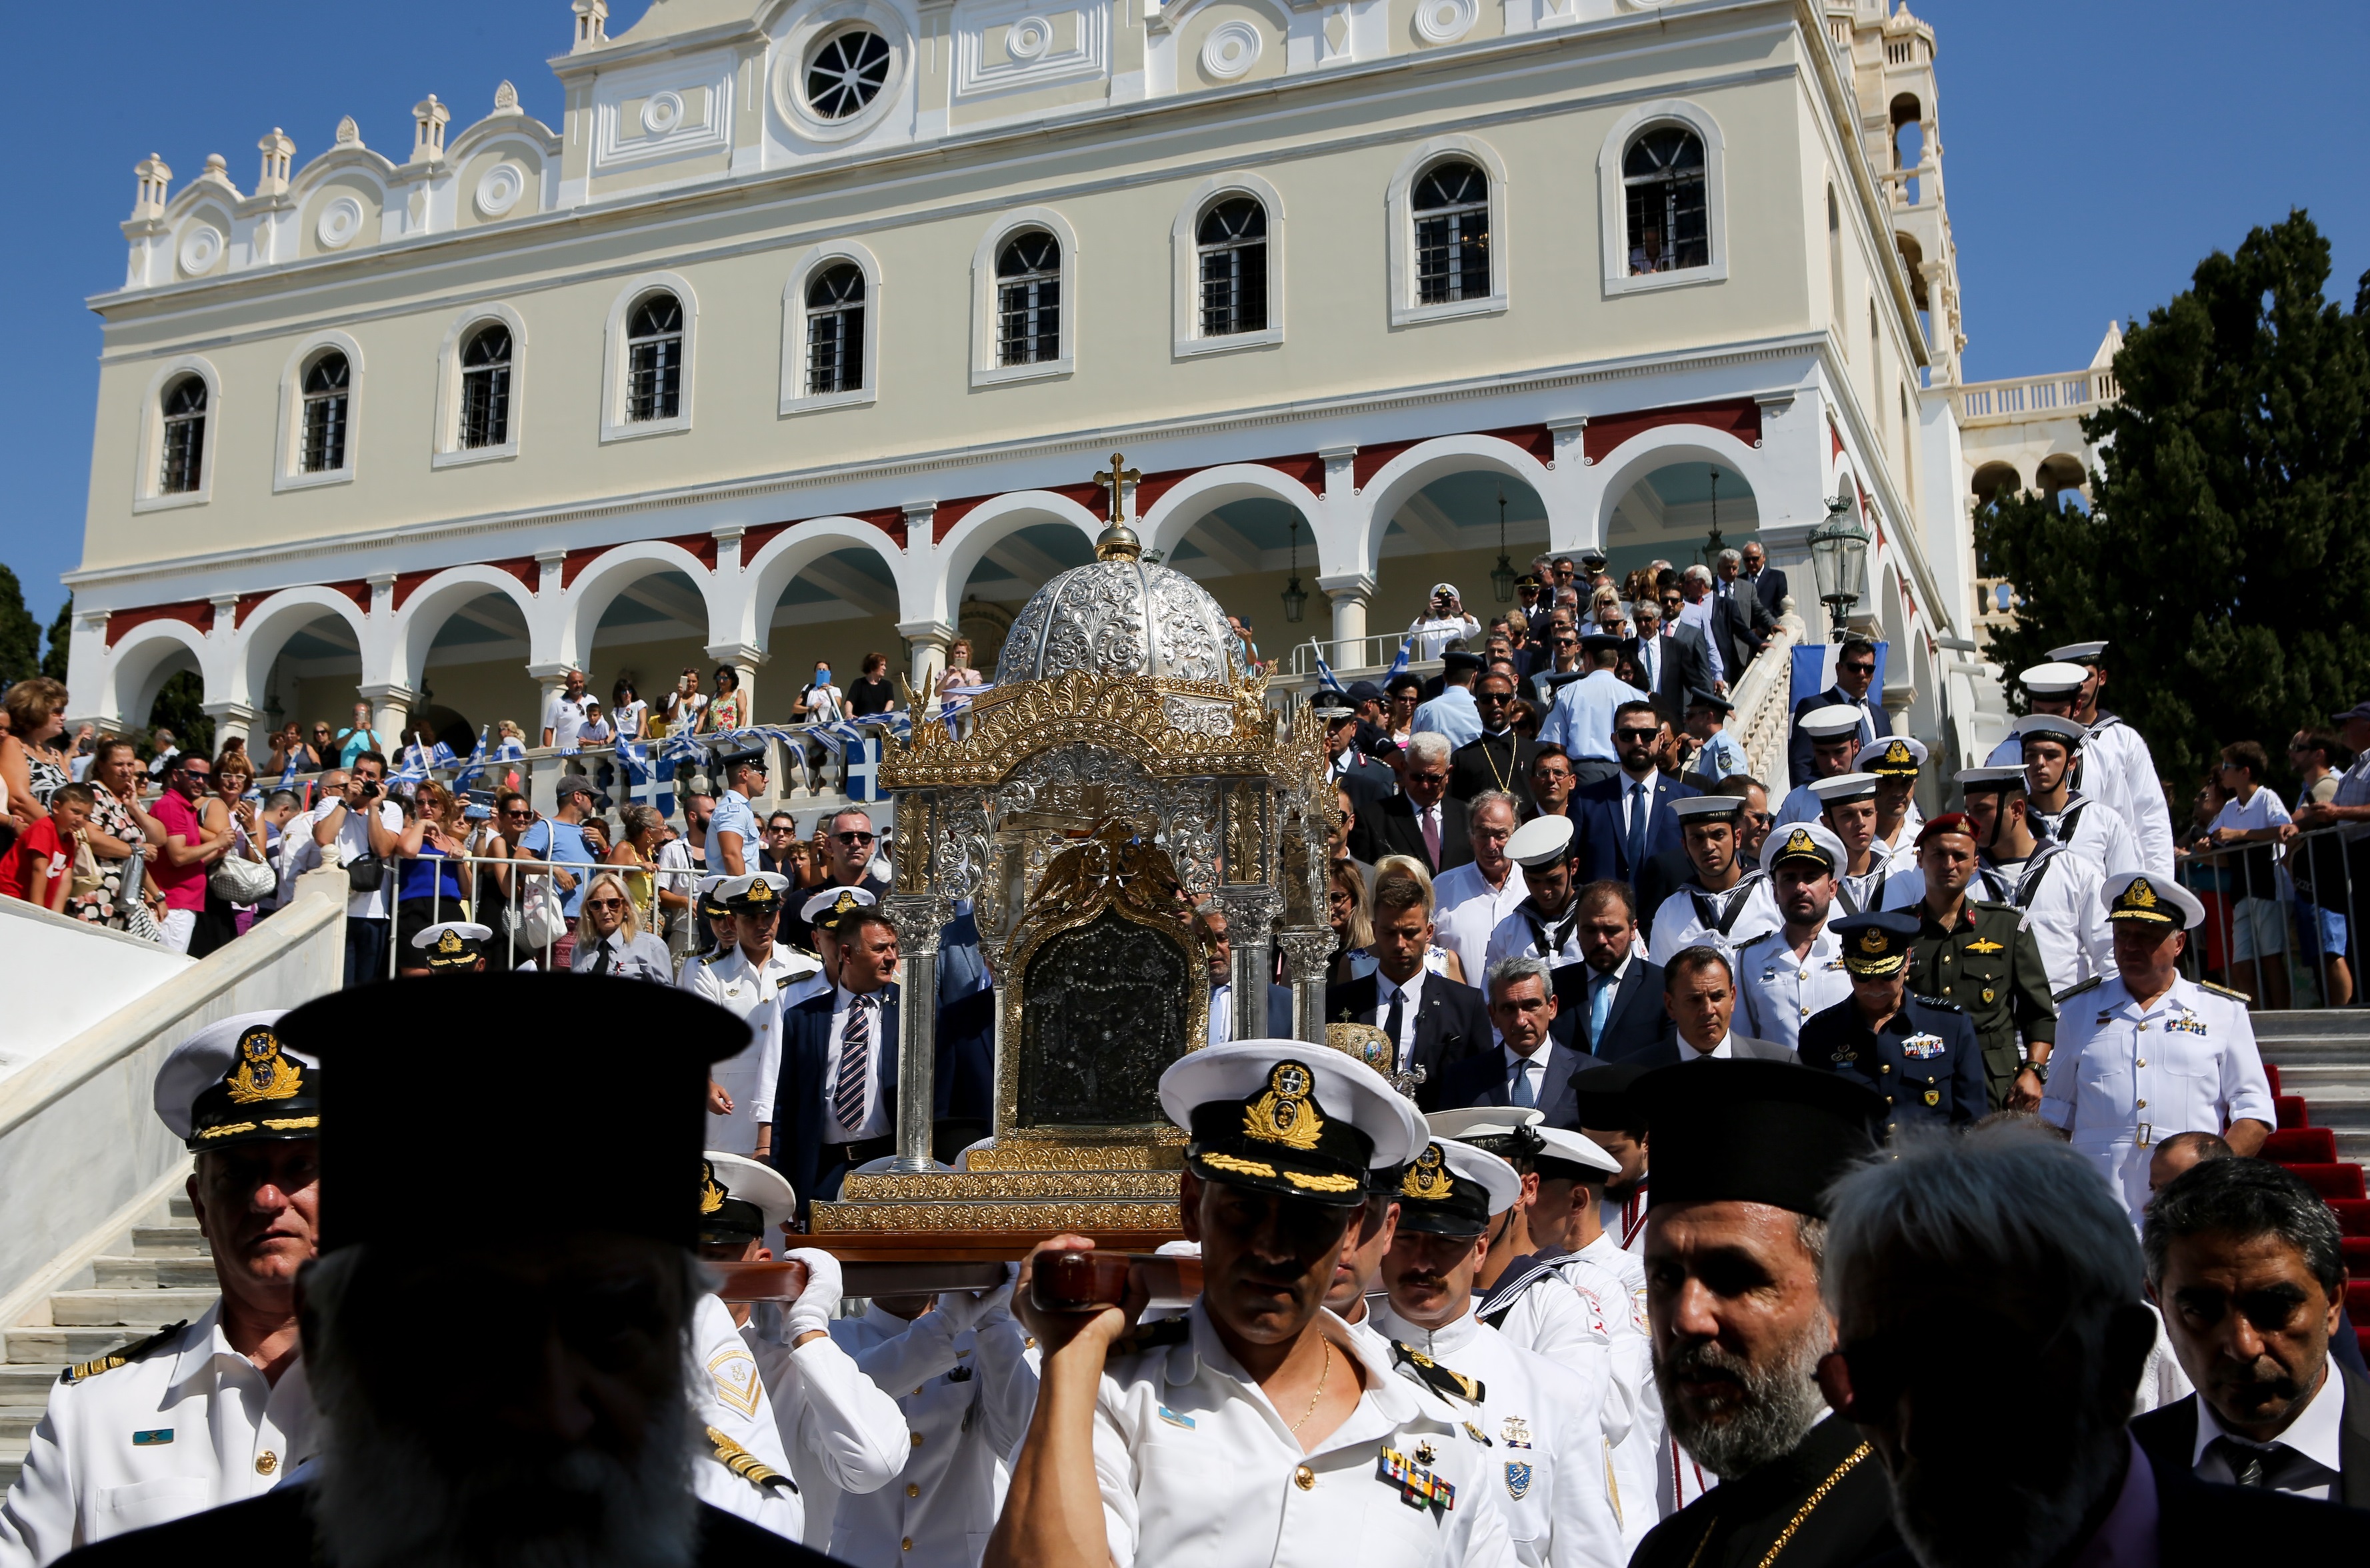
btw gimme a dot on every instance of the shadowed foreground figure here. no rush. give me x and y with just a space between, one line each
568 1439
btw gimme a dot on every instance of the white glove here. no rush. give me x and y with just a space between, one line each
977 1309
818 1304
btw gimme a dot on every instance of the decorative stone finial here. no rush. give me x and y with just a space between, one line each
349 134
592 23
505 100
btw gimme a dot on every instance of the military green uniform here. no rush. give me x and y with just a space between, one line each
1990 966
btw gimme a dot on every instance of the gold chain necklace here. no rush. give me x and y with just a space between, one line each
1818 1495
1327 1345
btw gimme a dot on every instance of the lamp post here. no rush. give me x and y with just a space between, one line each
1295 597
1839 561
1502 576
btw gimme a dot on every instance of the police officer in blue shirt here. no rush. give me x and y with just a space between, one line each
1920 1052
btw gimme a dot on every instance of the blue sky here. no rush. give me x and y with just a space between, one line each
2093 153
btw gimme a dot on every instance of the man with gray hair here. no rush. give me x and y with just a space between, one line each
1422 821
2005 1237
1525 1067
2247 1265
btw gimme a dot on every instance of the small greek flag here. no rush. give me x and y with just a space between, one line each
1326 679
475 765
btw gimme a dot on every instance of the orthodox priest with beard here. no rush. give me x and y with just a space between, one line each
566 1437
1735 1237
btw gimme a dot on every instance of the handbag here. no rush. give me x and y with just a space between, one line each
87 878
540 920
236 880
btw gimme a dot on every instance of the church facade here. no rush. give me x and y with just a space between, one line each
804 332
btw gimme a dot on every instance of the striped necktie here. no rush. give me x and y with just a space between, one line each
855 1066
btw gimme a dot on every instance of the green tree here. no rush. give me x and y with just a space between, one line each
21 634
180 707
2226 554
53 662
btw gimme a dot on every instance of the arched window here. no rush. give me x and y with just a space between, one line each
845 72
654 359
185 437
1452 234
486 388
1232 246
835 330
326 387
1029 299
1662 178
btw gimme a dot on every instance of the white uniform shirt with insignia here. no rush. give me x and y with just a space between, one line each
2122 1078
1617 1278
1542 1440
1690 918
749 1076
1197 1470
1779 990
2059 894
2130 783
966 1397
728 1394
842 1431
187 1425
1522 935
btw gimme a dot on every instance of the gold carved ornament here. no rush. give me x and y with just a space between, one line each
1124 713
262 1072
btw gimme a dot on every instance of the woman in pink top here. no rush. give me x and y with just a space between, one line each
188 853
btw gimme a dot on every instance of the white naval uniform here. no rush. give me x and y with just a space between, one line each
2129 783
1886 882
842 1431
2124 1079
2097 833
1523 934
970 1394
754 992
1615 1280
728 1394
187 1425
1541 1440
1198 1470
2058 891
1691 917
1780 990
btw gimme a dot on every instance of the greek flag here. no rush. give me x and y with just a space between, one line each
862 766
288 774
1399 665
651 782
1326 679
510 750
475 766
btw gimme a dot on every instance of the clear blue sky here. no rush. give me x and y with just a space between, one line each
2093 152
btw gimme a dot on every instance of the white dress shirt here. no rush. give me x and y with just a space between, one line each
1724 1051
1466 909
1222 1013
1385 990
2316 1436
875 1121
730 1397
754 991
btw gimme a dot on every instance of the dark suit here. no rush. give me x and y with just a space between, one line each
1450 1023
2168 1435
1601 837
1635 1023
1741 626
1391 829
1493 762
2198 1525
1679 666
1769 587
805 1138
1662 875
1797 749
1480 1079
1742 1047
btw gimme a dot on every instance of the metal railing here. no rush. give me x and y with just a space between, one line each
2281 920
2083 390
530 899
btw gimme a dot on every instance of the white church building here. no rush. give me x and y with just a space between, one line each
803 333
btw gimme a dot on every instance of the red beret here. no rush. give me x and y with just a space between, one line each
1948 822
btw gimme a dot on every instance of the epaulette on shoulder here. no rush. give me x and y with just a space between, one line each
2074 990
1996 905
746 1465
122 1355
1159 1334
2224 991
1940 1004
1438 1378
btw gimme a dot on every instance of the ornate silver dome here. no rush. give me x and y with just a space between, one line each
1119 616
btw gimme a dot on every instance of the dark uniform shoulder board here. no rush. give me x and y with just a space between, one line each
2095 981
1941 1004
1159 1334
2224 991
1996 905
746 1465
1438 1378
121 1355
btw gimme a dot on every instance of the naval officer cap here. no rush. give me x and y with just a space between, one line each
834 907
1542 841
2151 900
1891 757
1330 704
1754 1132
1989 780
1567 1156
740 1200
1876 943
1455 1189
412 1114
2079 652
1288 1117
452 944
711 897
235 1082
1803 844
1844 787
1510 1132
759 893
1832 722
2049 727
2057 678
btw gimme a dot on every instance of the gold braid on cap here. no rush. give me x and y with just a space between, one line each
1285 1115
262 1072
1428 1178
711 1192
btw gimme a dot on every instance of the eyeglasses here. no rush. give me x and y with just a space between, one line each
853 838
1635 734
201 775
1567 643
518 813
605 903
1857 668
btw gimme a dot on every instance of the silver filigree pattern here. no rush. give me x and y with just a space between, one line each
1198 717
1120 616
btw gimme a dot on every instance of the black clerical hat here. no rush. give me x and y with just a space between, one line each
417 1107
1754 1132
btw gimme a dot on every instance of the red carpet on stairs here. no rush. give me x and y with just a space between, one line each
2291 1112
2302 1145
2311 1153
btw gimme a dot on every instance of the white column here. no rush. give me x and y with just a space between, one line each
86 674
233 719
390 707
925 643
1349 594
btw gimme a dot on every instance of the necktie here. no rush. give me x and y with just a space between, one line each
1600 1003
855 1066
2275 1466
1524 1095
1397 1016
1432 834
1637 845
601 960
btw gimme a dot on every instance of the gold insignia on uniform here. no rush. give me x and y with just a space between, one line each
1802 843
1238 1167
746 1465
1426 1454
1428 1178
735 1377
1897 755
1284 1114
711 1192
759 892
449 944
1872 940
1984 944
1322 1183
262 1072
845 902
1933 1097
122 1355
1434 1375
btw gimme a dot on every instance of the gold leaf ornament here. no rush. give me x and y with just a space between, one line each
1284 1114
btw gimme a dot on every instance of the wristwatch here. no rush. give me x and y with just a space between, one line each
2039 1069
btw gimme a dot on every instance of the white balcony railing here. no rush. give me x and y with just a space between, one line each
2085 390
